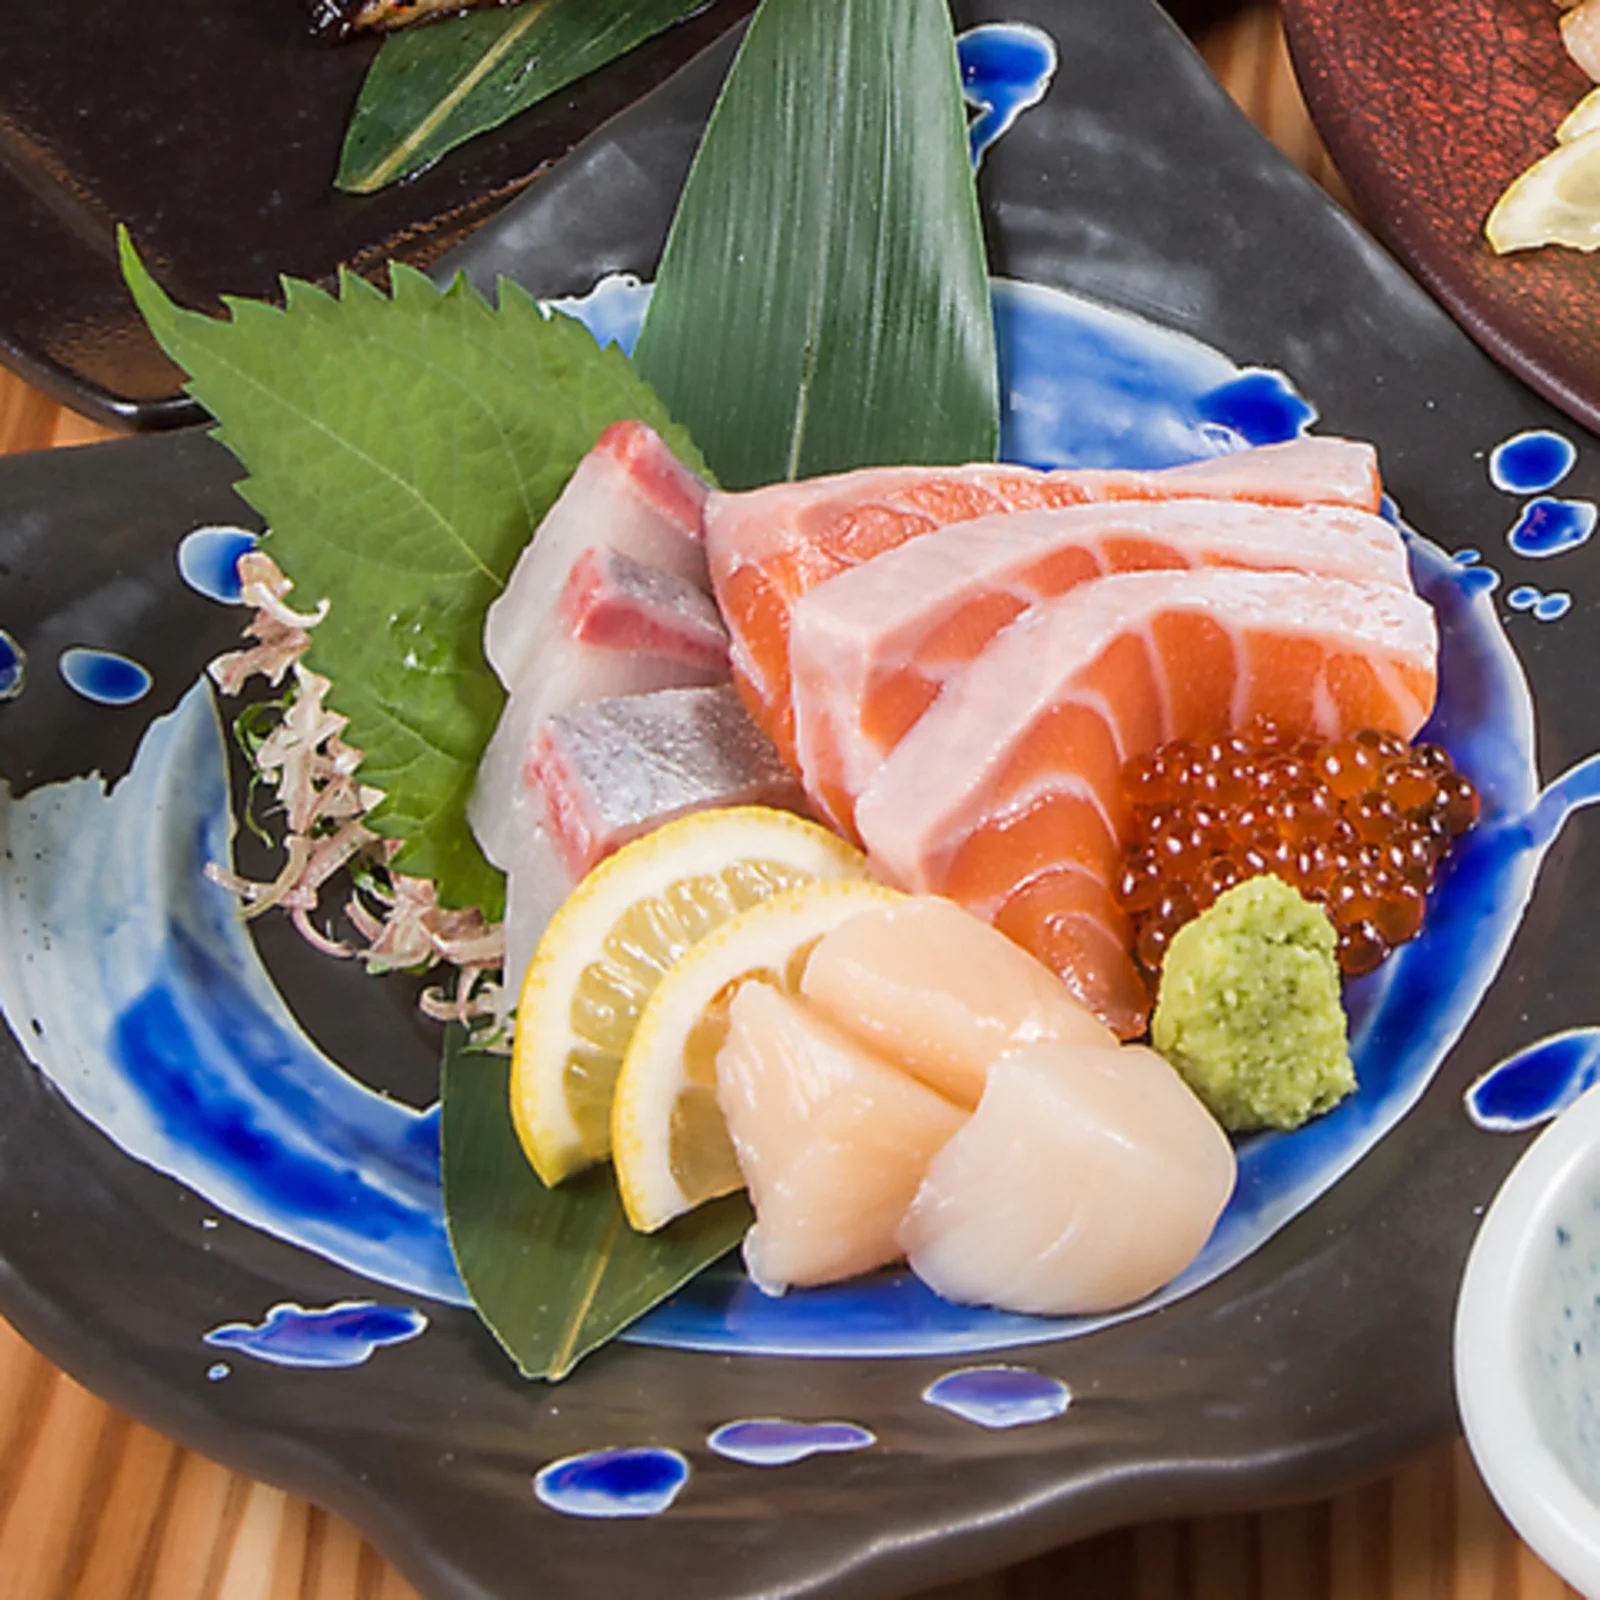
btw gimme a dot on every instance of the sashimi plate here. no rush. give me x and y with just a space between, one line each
213 1223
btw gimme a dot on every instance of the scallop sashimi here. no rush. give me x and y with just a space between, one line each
1006 795
832 1140
941 993
1086 1179
870 648
767 547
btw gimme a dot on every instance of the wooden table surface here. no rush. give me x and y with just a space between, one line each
95 1506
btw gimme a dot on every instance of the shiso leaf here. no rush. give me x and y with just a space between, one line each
823 302
554 1273
402 450
431 89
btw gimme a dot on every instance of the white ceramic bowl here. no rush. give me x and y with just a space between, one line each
1527 1346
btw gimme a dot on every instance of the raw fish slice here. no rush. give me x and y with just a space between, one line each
630 494
610 770
768 546
619 627
612 601
870 648
832 1140
1006 795
1087 1178
933 989
537 881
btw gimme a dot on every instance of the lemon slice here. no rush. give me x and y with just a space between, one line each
1581 119
607 947
1556 201
668 1140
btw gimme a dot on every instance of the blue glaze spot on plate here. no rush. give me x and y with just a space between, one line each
1467 556
1537 1083
1551 607
999 1397
343 1335
778 1442
208 561
637 1482
217 1371
104 677
1478 580
613 311
1005 68
1530 463
1259 406
1551 527
13 667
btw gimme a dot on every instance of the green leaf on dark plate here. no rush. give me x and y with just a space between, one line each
823 301
554 1272
430 89
403 450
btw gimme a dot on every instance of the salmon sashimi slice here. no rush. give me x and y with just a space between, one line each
1006 795
767 547
870 648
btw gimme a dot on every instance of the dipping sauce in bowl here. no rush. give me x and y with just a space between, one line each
1527 1346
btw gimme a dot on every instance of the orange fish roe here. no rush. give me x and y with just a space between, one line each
1358 825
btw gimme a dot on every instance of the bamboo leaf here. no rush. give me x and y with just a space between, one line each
431 89
823 301
553 1272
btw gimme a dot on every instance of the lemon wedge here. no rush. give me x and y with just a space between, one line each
1556 201
1581 119
608 946
668 1139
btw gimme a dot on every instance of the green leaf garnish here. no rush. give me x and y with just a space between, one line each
553 1272
402 451
431 89
823 302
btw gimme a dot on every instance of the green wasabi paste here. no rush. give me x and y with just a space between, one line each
1249 1010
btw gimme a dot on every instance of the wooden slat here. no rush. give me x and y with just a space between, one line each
94 1506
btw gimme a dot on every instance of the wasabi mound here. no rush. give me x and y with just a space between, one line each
1249 1010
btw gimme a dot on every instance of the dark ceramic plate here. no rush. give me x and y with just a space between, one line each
212 128
1322 1357
1430 108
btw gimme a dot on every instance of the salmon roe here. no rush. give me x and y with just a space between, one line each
1358 825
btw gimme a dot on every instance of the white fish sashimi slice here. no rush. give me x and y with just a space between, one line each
537 881
630 494
940 993
832 1140
1087 1178
619 628
609 770
870 647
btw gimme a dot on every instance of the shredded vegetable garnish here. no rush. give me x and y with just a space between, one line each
297 749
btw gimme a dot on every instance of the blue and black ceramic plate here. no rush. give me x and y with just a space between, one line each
219 1162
